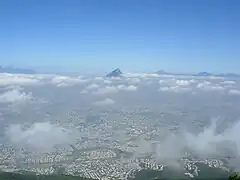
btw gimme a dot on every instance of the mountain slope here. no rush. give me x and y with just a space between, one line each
115 73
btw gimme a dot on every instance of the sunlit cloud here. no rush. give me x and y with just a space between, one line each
115 78
208 86
98 78
17 79
114 89
92 86
205 144
105 102
140 75
84 91
123 87
106 90
42 136
174 89
107 81
183 82
234 92
228 82
61 81
133 80
176 82
175 85
15 96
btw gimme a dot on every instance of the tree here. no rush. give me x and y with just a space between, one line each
234 176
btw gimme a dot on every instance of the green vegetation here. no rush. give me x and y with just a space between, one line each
213 173
234 176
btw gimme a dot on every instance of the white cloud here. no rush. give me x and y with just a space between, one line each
234 92
106 90
98 78
123 87
167 81
11 87
218 88
214 77
92 86
213 88
228 86
116 78
140 75
161 81
134 80
183 82
176 82
151 75
174 89
206 144
62 84
17 79
15 96
104 102
39 136
203 84
83 91
192 81
208 86
164 88
107 81
61 81
114 89
228 82
148 82
131 88
175 85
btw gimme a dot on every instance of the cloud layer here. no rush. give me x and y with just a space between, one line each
42 136
206 144
105 102
13 96
130 82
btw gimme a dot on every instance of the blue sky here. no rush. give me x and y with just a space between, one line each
134 35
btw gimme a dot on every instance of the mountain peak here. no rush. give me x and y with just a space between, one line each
160 72
115 73
203 74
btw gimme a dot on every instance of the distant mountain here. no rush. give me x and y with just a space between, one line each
203 74
13 70
160 72
232 75
228 75
115 73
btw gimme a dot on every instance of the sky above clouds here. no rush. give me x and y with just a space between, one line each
136 36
